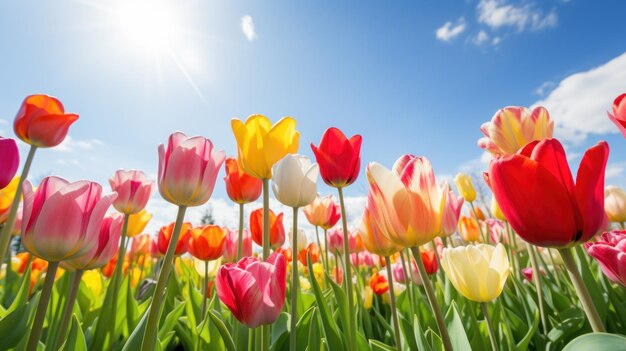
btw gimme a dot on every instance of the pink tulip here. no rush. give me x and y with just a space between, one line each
9 161
188 168
619 113
253 290
610 252
232 240
133 191
451 213
528 273
62 220
398 273
496 230
335 241
365 258
100 254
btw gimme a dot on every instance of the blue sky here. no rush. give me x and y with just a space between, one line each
411 77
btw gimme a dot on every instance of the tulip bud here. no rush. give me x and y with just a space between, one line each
465 187
339 157
619 113
240 187
42 121
133 191
294 180
277 230
615 203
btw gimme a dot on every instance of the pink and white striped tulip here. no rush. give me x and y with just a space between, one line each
107 245
188 168
62 220
451 213
133 190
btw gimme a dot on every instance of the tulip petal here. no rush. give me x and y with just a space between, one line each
590 189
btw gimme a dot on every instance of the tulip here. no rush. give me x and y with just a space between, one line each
615 203
368 297
367 259
240 187
339 158
100 254
398 273
133 191
140 245
495 209
451 213
188 168
61 221
496 230
137 223
619 114
287 252
206 243
528 273
312 250
468 228
253 290
6 199
478 272
294 181
9 161
379 284
464 184
165 234
277 230
513 127
610 253
322 212
576 211
373 231
42 121
232 243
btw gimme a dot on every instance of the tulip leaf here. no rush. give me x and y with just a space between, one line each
75 339
22 294
170 320
597 341
456 329
15 326
342 307
328 323
136 337
221 328
314 331
420 338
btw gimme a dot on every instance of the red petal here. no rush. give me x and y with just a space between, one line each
590 189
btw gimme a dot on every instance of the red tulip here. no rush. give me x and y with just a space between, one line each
42 121
254 291
277 230
312 249
165 233
610 252
9 161
537 194
379 284
430 261
240 187
339 157
619 113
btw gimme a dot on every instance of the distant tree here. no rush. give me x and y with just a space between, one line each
207 215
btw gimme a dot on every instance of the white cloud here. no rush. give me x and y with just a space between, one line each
496 41
614 170
247 26
544 88
580 102
70 144
498 14
450 30
481 37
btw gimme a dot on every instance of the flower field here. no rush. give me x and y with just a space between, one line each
431 265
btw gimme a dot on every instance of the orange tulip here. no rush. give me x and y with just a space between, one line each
311 249
165 233
107 269
277 230
285 251
468 228
240 187
42 121
323 212
206 243
140 245
379 284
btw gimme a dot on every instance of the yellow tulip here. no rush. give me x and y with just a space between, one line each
495 209
93 280
260 144
137 223
478 272
368 297
214 265
304 284
464 184
6 199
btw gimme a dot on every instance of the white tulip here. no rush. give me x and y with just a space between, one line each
302 239
294 180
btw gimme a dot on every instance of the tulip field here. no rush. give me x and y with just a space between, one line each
431 266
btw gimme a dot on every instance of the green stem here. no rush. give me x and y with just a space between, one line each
348 271
581 289
319 243
149 338
265 333
118 274
538 284
492 334
480 227
69 307
392 298
294 281
432 299
5 235
408 280
326 246
42 307
205 288
240 241
513 251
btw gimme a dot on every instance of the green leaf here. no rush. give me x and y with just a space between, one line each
16 325
597 341
342 306
170 320
75 339
314 331
328 323
226 337
22 294
420 337
456 330
379 346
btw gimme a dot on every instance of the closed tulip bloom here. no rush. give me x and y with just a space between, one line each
165 233
451 213
133 191
610 253
430 261
260 144
496 230
9 161
335 241
552 211
137 223
398 273
373 231
478 272
379 284
413 199
206 243
230 246
277 230
101 253
62 220
495 209
294 180
513 127
615 203
323 212
468 228
140 245
619 113
310 249
253 290
302 239
285 251
339 157
464 184
6 198
188 168
42 121
241 187
366 258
